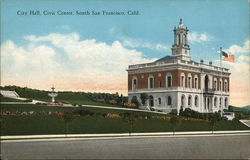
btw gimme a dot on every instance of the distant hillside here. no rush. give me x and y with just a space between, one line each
247 107
67 96
237 109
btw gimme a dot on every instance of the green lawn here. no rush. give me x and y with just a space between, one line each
6 99
53 124
34 124
43 108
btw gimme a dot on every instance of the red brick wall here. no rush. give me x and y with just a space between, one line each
143 82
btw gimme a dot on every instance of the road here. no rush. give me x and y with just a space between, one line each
178 147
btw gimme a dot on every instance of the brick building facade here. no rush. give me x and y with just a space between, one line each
176 81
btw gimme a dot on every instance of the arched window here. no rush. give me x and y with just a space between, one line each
183 99
196 101
159 101
206 82
196 81
220 102
134 83
169 101
151 101
215 84
226 103
220 85
182 80
160 84
189 81
215 101
189 100
225 86
169 80
178 39
150 81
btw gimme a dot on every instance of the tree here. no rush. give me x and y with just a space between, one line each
213 120
144 97
174 120
67 117
130 119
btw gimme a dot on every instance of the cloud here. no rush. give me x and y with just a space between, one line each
194 37
68 62
235 49
133 43
127 41
240 74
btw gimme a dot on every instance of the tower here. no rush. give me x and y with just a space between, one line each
180 48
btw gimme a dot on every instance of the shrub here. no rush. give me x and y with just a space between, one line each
144 98
173 112
135 101
129 105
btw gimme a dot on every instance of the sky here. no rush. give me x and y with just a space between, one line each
82 52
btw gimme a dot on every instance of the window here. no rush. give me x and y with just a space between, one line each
182 80
189 82
196 83
220 102
220 87
150 81
215 84
159 101
225 86
183 101
196 101
151 101
169 101
215 101
169 80
178 39
160 84
190 101
225 103
134 83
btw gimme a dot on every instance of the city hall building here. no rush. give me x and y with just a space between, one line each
176 81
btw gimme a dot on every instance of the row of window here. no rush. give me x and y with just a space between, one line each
220 102
190 83
196 101
190 101
169 101
219 88
169 81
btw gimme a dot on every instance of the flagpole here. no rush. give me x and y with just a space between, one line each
220 85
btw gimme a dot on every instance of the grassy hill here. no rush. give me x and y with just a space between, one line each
64 97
